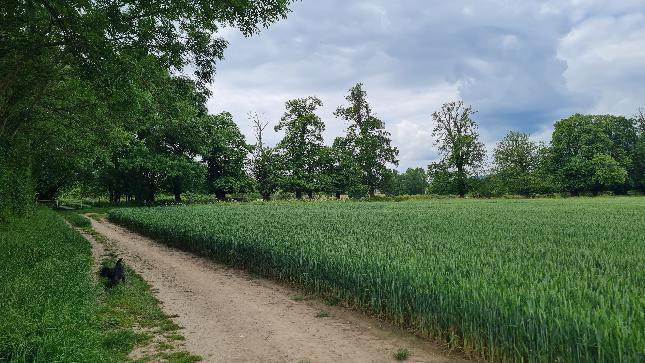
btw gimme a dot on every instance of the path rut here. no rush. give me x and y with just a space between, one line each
229 316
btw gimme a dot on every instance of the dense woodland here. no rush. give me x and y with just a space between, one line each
109 98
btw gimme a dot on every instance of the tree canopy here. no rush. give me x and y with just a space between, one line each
367 138
458 141
301 148
593 152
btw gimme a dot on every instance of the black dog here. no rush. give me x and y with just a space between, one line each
114 274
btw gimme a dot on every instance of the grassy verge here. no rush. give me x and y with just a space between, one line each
48 305
76 219
53 309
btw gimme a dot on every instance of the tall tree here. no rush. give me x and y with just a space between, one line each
516 160
301 148
263 161
225 154
42 39
368 139
591 153
157 149
414 181
456 136
343 172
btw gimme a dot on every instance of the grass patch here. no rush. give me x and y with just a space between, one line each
331 301
182 357
48 299
175 337
76 219
323 314
97 216
401 354
52 309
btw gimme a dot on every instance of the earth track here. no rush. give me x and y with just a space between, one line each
230 316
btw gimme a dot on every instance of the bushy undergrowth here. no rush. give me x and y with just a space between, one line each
533 280
48 300
16 184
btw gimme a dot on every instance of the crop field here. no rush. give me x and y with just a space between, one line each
533 280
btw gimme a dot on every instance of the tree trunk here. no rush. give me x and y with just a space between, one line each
266 197
220 194
372 192
298 194
337 195
310 194
461 181
177 196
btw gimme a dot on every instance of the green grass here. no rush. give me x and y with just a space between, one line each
76 219
48 299
323 314
538 280
51 308
401 354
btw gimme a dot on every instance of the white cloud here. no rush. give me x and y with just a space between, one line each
606 58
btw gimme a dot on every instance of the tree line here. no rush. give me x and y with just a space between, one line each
178 148
586 154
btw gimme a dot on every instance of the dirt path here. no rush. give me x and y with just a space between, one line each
230 317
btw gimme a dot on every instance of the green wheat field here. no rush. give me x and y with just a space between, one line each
533 280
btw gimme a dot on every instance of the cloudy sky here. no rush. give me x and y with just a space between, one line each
522 63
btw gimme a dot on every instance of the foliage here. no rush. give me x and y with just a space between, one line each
412 182
225 153
539 280
519 165
77 220
41 39
441 180
16 184
301 149
367 139
638 156
82 80
343 172
457 138
591 153
263 161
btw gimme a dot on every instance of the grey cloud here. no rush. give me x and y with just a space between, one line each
523 64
